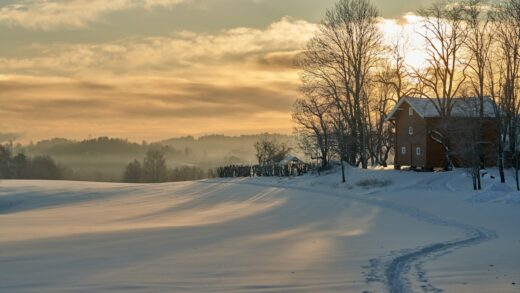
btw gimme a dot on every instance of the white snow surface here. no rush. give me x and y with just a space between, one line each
426 232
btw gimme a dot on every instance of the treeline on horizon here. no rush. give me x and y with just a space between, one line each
104 159
20 166
153 169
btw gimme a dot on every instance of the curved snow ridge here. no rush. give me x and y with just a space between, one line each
394 274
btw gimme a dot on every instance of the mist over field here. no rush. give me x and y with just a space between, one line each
104 159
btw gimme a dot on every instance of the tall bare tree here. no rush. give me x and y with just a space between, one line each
444 32
507 33
495 85
394 83
383 96
478 44
478 47
395 72
341 59
314 125
343 141
467 148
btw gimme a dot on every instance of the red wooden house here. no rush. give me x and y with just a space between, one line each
416 120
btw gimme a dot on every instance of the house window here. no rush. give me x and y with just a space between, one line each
410 130
403 150
418 151
410 111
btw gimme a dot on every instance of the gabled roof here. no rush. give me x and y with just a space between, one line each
462 107
289 159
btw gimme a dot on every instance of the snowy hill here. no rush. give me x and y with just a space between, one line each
384 231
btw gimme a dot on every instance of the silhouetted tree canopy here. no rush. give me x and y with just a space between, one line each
44 167
23 167
269 152
133 172
154 170
154 167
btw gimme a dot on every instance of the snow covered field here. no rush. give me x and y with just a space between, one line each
425 232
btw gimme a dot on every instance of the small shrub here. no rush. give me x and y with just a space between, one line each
374 183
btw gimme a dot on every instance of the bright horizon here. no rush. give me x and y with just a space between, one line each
155 69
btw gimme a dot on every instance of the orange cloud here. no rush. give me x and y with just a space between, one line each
54 14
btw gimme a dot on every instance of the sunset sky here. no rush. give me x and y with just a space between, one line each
154 69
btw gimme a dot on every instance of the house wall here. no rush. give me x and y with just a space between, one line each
490 137
411 142
436 153
432 154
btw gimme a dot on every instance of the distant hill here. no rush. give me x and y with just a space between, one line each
97 146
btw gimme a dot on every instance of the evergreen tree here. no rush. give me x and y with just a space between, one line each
20 167
133 172
44 168
5 163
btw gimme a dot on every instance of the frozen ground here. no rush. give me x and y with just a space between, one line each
425 232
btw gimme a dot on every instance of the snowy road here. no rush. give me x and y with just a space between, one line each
247 236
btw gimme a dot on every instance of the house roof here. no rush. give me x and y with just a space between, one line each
462 107
289 159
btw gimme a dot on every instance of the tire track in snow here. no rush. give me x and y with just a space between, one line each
395 273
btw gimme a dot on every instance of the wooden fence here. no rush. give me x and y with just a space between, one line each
287 170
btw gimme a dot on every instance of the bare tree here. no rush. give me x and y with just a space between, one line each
395 73
269 152
468 148
314 125
394 83
154 167
508 37
445 33
383 96
495 82
478 46
342 140
469 138
341 59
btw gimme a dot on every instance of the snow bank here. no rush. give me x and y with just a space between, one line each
491 193
496 192
513 198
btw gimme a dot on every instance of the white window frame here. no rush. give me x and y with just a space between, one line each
410 130
418 151
403 150
410 111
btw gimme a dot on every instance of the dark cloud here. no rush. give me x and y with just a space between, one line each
200 101
86 100
283 59
20 86
396 8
